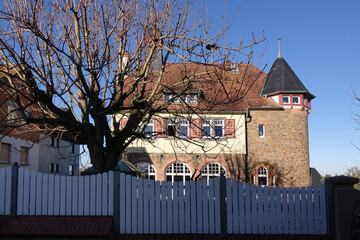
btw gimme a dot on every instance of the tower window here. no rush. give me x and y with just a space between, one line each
261 131
296 100
286 100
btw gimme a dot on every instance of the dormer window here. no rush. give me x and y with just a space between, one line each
190 98
286 100
296 100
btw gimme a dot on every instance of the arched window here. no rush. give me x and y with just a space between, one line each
212 170
147 168
262 176
178 172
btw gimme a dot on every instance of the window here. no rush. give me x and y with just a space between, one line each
184 128
24 155
178 128
296 100
178 172
286 100
212 170
71 170
148 169
13 114
54 167
212 128
148 129
261 131
171 128
5 153
55 142
235 68
262 176
190 98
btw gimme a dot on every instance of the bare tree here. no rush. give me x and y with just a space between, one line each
79 62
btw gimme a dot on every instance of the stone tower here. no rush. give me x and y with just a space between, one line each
278 144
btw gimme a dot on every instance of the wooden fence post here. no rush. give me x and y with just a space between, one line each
223 208
116 203
14 188
341 201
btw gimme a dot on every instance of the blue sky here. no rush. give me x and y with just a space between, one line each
320 41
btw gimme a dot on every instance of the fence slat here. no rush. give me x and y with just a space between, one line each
217 205
157 208
163 207
298 229
111 193
105 190
128 206
181 208
272 201
98 193
229 204
211 207
236 224
169 209
175 207
285 211
310 208
38 195
57 195
8 171
92 195
187 208
20 200
247 209
32 203
266 211
241 207
2 190
123 184
317 210
323 209
51 206
291 211
81 195
193 206
205 210
45 195
87 196
260 208
152 206
134 227
146 206
278 211
140 205
62 195
304 211
254 211
69 184
199 207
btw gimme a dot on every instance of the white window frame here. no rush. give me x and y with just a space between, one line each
172 171
211 170
263 131
178 125
298 98
183 124
148 169
263 172
149 124
288 101
212 123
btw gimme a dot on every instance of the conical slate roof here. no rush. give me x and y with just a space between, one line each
282 79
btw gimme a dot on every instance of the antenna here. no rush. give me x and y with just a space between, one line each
279 54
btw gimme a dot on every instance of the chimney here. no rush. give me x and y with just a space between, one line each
156 61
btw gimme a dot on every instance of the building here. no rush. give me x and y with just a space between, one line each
262 138
31 147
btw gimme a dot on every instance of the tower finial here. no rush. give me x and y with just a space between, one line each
279 54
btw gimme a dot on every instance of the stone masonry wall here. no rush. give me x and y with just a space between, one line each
285 145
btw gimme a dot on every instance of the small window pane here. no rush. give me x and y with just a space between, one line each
218 131
296 100
261 131
286 100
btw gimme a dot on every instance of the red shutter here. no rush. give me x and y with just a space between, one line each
230 128
123 123
160 127
195 128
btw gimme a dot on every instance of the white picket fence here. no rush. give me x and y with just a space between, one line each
142 206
